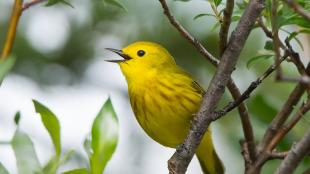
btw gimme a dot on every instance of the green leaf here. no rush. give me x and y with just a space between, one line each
183 0
217 2
26 158
3 170
268 45
77 171
51 123
104 138
253 59
54 2
115 3
16 118
203 14
6 66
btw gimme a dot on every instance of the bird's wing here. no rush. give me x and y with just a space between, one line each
194 84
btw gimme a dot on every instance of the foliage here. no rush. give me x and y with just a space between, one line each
103 140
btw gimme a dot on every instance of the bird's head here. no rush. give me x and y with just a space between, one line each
142 57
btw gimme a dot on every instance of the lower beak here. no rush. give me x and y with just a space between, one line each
119 52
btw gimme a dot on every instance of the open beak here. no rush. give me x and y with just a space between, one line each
119 52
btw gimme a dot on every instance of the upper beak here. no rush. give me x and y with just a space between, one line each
119 52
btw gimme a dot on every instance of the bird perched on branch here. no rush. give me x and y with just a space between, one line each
164 98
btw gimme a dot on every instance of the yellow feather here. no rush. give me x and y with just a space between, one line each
164 98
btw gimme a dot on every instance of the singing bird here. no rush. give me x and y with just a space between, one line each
164 98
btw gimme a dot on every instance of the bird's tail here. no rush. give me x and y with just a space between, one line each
208 159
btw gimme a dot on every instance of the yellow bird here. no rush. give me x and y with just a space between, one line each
164 98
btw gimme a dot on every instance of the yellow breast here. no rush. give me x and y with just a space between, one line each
164 104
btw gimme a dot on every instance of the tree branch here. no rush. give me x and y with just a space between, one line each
282 116
11 33
298 9
225 25
200 48
244 116
250 89
295 155
285 129
184 153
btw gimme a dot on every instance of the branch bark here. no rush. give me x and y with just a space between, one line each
285 129
178 163
225 25
295 155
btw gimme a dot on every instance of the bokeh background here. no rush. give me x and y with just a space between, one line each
61 63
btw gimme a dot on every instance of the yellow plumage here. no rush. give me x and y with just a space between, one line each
164 98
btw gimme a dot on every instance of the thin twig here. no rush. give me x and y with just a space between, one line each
245 120
285 129
179 161
264 28
276 124
225 25
278 155
31 3
11 33
202 50
250 89
281 117
295 155
298 9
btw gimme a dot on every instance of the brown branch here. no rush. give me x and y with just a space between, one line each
250 89
246 154
295 155
11 33
278 155
277 123
281 117
184 153
244 116
245 120
264 28
200 48
298 9
285 129
225 25
31 3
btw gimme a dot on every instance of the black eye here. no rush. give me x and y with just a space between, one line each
141 53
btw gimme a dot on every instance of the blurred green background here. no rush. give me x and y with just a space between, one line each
61 55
